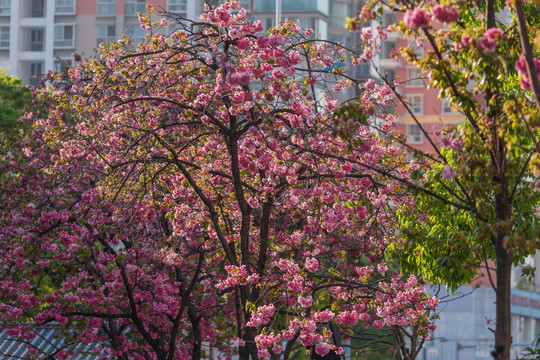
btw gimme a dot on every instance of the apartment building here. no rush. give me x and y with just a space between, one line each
36 34
39 35
425 109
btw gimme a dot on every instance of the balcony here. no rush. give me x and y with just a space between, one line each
33 8
270 5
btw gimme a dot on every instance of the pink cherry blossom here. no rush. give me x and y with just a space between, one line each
445 14
417 18
322 348
448 173
521 67
490 40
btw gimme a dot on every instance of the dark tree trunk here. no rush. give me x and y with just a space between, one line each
503 253
503 338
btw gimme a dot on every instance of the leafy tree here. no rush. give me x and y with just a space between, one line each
531 352
14 99
477 196
197 189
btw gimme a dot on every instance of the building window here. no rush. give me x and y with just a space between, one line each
63 36
416 103
36 69
5 7
343 40
414 77
387 49
418 48
38 8
338 13
414 134
136 33
447 108
245 4
64 6
135 6
363 68
178 6
63 64
4 36
432 353
308 23
105 33
106 7
388 18
36 40
389 75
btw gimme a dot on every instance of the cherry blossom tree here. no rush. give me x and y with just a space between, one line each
198 189
477 194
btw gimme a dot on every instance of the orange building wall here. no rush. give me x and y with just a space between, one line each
432 118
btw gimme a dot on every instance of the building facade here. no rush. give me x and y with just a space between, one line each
467 318
40 35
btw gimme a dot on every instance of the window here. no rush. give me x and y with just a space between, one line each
36 69
64 6
389 18
178 6
387 48
106 7
363 68
432 353
414 134
63 35
292 5
135 6
447 108
414 77
36 40
418 48
105 33
246 4
4 36
62 64
38 8
389 75
309 23
267 23
416 103
338 13
136 33
5 7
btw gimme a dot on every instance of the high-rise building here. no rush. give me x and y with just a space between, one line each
35 34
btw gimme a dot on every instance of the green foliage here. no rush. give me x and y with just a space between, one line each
14 98
454 233
532 352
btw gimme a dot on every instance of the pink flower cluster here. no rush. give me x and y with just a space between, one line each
311 264
420 17
238 275
521 67
266 341
445 14
262 315
490 40
347 318
323 316
417 18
